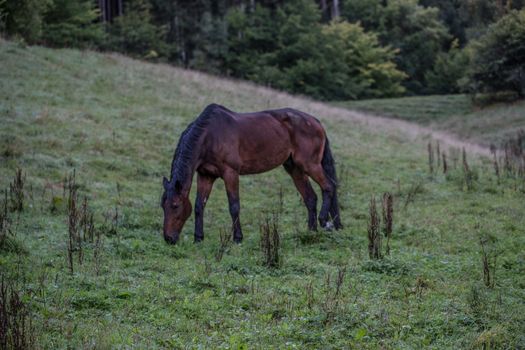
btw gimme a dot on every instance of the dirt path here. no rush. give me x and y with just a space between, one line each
276 98
371 121
412 130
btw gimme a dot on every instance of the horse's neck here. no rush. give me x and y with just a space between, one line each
186 183
188 171
188 151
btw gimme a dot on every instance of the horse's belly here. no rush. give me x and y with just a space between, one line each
259 143
264 162
261 154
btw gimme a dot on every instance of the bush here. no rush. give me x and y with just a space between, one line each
211 44
418 34
23 18
346 63
449 71
291 50
73 23
134 32
263 43
499 56
367 68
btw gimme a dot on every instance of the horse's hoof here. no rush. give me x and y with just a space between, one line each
237 240
198 239
329 226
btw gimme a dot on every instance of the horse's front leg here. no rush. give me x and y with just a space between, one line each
204 186
231 182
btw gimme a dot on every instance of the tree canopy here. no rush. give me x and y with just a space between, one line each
327 49
498 60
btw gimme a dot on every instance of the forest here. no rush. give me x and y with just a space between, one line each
326 49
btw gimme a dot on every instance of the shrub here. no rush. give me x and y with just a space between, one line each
374 236
270 241
16 327
135 33
23 17
73 23
16 191
449 71
499 56
418 34
366 68
291 50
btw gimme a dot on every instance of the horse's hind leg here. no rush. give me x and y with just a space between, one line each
231 182
317 173
304 187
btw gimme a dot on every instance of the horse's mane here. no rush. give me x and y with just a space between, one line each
184 153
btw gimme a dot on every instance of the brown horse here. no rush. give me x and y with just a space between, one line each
225 144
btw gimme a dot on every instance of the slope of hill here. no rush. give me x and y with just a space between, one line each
116 121
454 114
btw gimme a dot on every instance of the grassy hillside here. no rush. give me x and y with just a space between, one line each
452 113
116 121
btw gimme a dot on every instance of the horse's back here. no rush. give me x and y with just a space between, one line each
307 134
259 141
299 122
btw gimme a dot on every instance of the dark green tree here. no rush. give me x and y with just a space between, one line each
23 18
499 57
419 36
134 32
349 64
452 14
449 71
211 44
253 45
194 28
73 23
367 12
414 30
289 49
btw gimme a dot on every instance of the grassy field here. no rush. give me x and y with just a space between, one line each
116 121
452 113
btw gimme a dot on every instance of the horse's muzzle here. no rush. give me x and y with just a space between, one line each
171 239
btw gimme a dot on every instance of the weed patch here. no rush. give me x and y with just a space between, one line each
387 266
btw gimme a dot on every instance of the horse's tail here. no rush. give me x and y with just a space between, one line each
328 165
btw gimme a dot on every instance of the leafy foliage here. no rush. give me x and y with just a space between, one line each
374 48
499 56
418 34
73 23
24 17
212 38
358 63
264 44
135 33
294 52
447 75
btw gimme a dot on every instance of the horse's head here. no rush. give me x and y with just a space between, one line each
177 209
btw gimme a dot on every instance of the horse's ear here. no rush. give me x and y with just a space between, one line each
165 183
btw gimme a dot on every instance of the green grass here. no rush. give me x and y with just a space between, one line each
452 113
116 121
